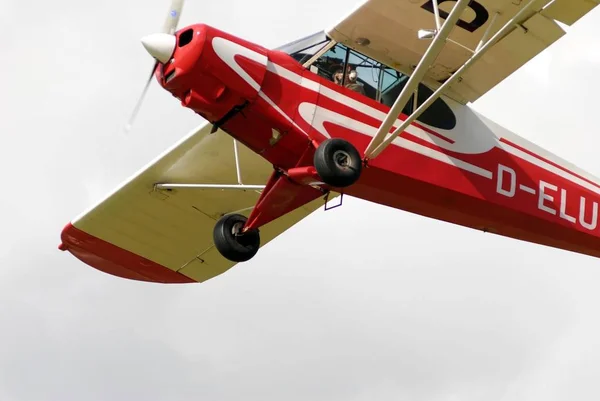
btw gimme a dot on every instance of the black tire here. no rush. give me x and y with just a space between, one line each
232 245
338 163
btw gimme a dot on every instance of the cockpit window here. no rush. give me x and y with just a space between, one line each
379 82
331 64
303 49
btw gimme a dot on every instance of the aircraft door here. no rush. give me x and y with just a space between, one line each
307 105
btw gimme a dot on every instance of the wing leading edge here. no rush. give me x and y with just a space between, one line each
391 27
165 236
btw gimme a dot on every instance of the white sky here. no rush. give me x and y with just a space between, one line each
389 306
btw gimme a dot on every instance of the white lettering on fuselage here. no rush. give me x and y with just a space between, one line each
502 170
550 199
591 225
543 196
563 207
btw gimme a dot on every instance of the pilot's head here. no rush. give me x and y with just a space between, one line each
338 76
352 76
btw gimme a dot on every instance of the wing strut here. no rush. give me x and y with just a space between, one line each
237 162
240 186
428 58
378 144
222 187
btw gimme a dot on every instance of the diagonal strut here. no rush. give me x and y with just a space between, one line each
428 58
510 25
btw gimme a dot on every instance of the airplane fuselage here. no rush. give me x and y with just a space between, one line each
476 174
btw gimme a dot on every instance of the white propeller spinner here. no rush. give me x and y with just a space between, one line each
160 46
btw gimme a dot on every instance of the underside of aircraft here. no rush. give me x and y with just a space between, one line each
375 107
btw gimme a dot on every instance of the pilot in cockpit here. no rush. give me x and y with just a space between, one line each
351 79
338 76
353 84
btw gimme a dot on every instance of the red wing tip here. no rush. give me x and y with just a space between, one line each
111 259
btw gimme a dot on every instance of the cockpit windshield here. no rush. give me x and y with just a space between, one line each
303 49
370 78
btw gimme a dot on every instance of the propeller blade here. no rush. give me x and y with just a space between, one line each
140 100
169 27
172 20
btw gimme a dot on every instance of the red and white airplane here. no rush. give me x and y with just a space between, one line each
376 107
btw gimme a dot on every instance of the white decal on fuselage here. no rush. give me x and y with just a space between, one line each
461 140
323 115
470 137
227 50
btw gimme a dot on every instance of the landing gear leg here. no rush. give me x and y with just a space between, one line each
336 163
237 238
232 242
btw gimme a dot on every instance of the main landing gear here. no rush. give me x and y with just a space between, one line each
337 164
231 242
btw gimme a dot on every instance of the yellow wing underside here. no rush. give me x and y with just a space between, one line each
173 228
391 29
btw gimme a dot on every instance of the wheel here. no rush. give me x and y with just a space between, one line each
337 162
231 243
